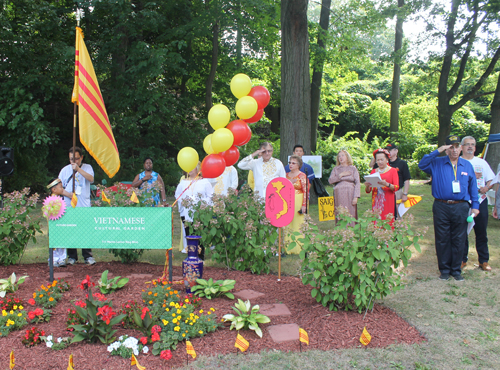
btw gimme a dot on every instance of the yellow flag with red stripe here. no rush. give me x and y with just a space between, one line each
303 336
12 360
105 198
133 361
411 201
70 363
365 337
74 200
241 343
134 198
96 134
190 349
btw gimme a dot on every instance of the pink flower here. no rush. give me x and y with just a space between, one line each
166 354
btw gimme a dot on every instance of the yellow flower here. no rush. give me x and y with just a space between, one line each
150 302
166 309
186 321
19 314
196 317
201 311
191 323
41 295
201 332
10 322
149 293
175 292
183 334
212 309
179 311
43 287
156 294
177 328
175 321
165 322
4 313
21 307
34 295
51 299
11 312
172 304
15 307
173 315
186 300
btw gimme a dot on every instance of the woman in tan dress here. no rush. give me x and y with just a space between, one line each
345 178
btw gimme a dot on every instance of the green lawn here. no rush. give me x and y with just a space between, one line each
460 320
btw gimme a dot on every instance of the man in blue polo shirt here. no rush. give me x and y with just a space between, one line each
453 187
306 168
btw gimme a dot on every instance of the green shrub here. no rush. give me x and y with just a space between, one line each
350 267
17 225
238 229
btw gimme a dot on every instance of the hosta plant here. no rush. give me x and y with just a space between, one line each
212 289
11 284
247 317
110 285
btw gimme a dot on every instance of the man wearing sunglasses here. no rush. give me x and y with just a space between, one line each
84 176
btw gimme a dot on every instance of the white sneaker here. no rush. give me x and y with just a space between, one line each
71 261
184 250
90 261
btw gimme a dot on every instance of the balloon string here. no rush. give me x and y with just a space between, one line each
192 182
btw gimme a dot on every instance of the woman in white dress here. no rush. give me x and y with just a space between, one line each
196 188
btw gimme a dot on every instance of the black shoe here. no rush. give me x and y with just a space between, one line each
458 277
444 276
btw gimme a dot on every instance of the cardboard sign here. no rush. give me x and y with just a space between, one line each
113 227
326 208
280 202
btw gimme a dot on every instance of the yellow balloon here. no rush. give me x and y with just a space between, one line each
219 116
188 158
222 139
241 85
246 107
207 144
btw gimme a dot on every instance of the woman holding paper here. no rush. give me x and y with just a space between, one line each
345 178
383 196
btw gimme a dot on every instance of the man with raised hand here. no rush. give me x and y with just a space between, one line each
453 187
484 175
84 176
264 168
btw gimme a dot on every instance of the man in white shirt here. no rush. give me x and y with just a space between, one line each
484 175
228 180
264 168
84 176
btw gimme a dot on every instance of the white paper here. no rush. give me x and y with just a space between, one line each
402 209
470 225
373 179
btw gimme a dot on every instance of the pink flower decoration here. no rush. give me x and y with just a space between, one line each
53 207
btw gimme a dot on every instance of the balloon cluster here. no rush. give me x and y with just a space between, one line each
221 146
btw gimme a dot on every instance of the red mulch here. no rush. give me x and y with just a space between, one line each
326 329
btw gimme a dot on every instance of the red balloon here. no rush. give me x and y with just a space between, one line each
256 117
213 166
261 95
231 155
247 138
240 131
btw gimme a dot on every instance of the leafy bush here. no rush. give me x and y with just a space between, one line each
108 286
350 267
10 285
238 229
17 225
157 296
13 319
246 317
211 289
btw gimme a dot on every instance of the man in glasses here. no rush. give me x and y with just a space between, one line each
84 176
484 175
264 168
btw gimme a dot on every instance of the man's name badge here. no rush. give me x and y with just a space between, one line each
456 186
78 190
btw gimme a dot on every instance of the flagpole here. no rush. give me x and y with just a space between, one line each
279 254
75 110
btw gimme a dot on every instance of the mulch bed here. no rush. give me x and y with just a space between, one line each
327 330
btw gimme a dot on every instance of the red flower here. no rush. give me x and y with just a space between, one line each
155 337
144 340
156 329
166 354
31 301
106 313
86 284
38 312
144 310
31 315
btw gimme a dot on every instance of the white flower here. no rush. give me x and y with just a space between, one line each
49 338
136 351
145 350
121 337
59 340
50 344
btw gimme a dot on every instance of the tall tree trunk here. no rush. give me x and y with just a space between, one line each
317 76
295 79
213 67
398 43
493 155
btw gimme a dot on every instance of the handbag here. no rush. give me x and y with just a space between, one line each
319 189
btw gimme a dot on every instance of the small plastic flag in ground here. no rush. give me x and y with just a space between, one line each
105 198
134 198
12 360
241 343
74 200
70 363
190 349
303 337
133 361
365 337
